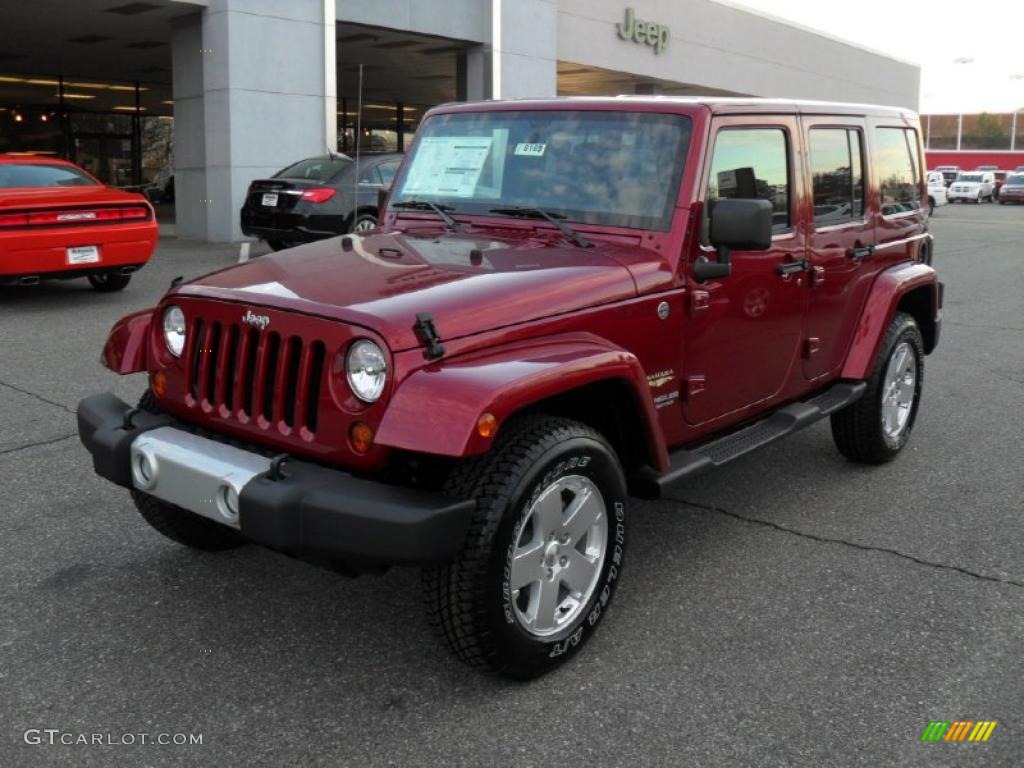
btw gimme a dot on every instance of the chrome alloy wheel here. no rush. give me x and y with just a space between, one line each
898 390
558 556
364 225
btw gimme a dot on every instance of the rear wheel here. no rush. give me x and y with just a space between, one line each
364 223
875 428
931 205
108 282
543 553
179 524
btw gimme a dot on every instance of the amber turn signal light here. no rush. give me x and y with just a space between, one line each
360 436
159 383
486 425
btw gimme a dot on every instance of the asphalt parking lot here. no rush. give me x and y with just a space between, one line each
792 609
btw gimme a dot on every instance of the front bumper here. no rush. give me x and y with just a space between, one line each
316 513
973 194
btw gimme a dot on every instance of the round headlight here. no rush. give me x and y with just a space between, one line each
367 369
174 330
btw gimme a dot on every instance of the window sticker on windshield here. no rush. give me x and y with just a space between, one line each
448 166
531 150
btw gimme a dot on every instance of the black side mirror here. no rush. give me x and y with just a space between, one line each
736 224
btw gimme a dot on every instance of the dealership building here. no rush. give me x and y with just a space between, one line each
216 93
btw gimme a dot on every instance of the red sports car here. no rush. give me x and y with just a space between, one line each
58 221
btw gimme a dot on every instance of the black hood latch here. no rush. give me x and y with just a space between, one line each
426 332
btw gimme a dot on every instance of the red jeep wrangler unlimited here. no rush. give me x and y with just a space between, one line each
568 303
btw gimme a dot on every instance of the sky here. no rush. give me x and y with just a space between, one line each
971 54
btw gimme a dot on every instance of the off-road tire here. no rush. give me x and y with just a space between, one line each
179 524
108 282
857 429
468 600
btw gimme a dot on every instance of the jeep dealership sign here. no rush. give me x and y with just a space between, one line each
643 32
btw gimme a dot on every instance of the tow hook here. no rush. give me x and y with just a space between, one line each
126 423
275 472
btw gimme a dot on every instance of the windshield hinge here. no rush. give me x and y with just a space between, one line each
426 332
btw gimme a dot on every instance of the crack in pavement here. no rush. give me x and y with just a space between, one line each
51 441
853 544
982 325
72 411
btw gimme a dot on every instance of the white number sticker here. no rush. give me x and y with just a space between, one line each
531 150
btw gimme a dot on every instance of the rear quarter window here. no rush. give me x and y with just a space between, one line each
896 167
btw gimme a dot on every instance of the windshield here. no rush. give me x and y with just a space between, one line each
608 168
315 168
1015 179
32 175
969 177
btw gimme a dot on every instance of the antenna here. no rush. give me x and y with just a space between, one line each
359 136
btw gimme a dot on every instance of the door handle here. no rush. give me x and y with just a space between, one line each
789 267
860 252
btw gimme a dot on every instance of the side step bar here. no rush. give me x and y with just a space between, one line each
688 462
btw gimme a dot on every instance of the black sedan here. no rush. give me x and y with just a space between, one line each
317 198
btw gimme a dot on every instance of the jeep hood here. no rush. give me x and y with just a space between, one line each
468 283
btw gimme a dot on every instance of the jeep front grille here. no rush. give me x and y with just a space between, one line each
256 376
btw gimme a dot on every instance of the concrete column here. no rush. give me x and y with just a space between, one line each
254 80
521 58
189 127
478 73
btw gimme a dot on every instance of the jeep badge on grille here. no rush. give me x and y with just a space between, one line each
256 321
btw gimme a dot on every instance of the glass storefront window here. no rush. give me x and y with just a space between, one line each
942 130
986 131
121 132
378 126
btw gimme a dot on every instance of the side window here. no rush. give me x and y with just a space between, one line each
368 175
837 175
387 172
898 174
752 163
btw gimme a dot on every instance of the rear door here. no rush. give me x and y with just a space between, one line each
841 241
744 333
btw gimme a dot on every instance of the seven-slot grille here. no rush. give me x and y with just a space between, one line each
256 376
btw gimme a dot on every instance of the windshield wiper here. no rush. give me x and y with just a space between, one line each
540 213
425 205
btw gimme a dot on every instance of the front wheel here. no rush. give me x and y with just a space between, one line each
108 282
543 554
875 428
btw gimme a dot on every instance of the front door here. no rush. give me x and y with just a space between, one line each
841 242
744 335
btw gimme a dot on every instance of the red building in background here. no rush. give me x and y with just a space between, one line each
972 140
